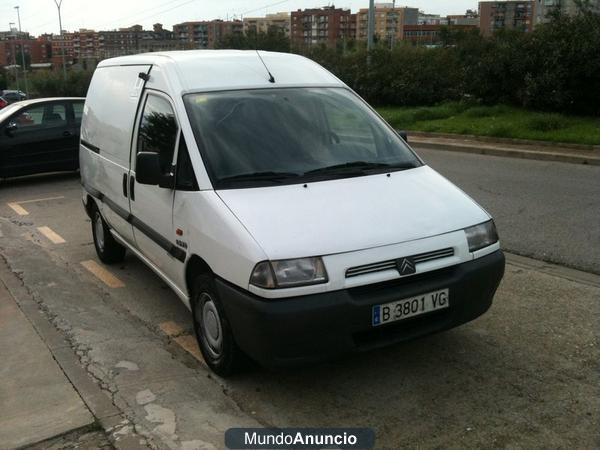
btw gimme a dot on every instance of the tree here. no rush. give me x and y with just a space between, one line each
274 39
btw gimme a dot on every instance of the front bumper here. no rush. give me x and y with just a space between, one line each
306 329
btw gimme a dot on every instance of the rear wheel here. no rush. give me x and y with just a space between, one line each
212 328
108 249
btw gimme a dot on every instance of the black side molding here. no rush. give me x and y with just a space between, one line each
91 147
158 238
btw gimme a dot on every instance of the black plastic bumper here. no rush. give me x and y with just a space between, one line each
281 332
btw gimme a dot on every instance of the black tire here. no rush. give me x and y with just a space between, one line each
108 249
213 331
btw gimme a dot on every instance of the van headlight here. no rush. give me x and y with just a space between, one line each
482 235
287 273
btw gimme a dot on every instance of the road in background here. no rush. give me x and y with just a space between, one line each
545 210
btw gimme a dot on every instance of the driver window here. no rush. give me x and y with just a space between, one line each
158 131
42 116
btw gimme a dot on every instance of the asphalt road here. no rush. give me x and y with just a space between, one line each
546 210
524 375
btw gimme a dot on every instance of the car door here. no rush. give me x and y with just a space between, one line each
152 206
75 115
36 139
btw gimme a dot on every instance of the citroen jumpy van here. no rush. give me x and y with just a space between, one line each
291 219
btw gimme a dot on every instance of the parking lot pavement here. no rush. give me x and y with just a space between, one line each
33 386
523 375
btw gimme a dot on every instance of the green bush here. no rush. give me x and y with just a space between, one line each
52 84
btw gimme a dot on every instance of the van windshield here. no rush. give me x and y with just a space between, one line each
267 137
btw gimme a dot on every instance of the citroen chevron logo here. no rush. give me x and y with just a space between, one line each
406 266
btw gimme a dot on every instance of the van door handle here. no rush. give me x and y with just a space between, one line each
132 188
125 184
67 134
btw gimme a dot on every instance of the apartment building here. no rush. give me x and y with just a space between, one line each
36 51
281 21
430 34
389 22
511 14
431 19
544 7
322 26
86 44
205 34
470 18
62 48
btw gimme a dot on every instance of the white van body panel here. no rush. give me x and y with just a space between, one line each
351 214
211 231
108 120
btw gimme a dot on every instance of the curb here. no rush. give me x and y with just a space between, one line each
540 155
575 275
505 141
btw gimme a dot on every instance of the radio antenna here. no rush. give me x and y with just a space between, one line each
271 77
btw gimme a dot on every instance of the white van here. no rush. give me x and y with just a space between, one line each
285 213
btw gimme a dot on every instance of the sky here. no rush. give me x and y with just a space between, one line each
41 16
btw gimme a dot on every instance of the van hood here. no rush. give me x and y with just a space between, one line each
351 214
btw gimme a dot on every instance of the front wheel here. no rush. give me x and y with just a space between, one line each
108 249
212 328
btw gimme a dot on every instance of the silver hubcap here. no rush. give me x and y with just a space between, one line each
99 231
210 323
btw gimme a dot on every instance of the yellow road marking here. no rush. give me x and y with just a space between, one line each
52 236
18 209
102 274
16 206
171 328
190 345
41 199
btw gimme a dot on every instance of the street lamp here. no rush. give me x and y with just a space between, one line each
11 26
22 53
370 25
58 5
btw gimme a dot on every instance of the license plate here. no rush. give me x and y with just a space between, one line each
410 307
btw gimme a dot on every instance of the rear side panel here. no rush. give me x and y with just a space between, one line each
106 133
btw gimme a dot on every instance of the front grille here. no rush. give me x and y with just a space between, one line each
391 264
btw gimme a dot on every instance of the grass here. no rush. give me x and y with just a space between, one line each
497 121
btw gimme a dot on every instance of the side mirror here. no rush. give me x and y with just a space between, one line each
11 128
403 135
147 171
147 168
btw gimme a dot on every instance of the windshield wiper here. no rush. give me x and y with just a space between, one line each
359 167
259 176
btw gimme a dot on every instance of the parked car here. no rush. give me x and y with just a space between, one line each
39 136
291 219
12 96
3 102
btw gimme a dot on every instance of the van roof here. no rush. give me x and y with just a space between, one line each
230 69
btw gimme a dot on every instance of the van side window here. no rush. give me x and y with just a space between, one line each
185 179
158 131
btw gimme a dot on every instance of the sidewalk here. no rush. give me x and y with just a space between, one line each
38 401
511 148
